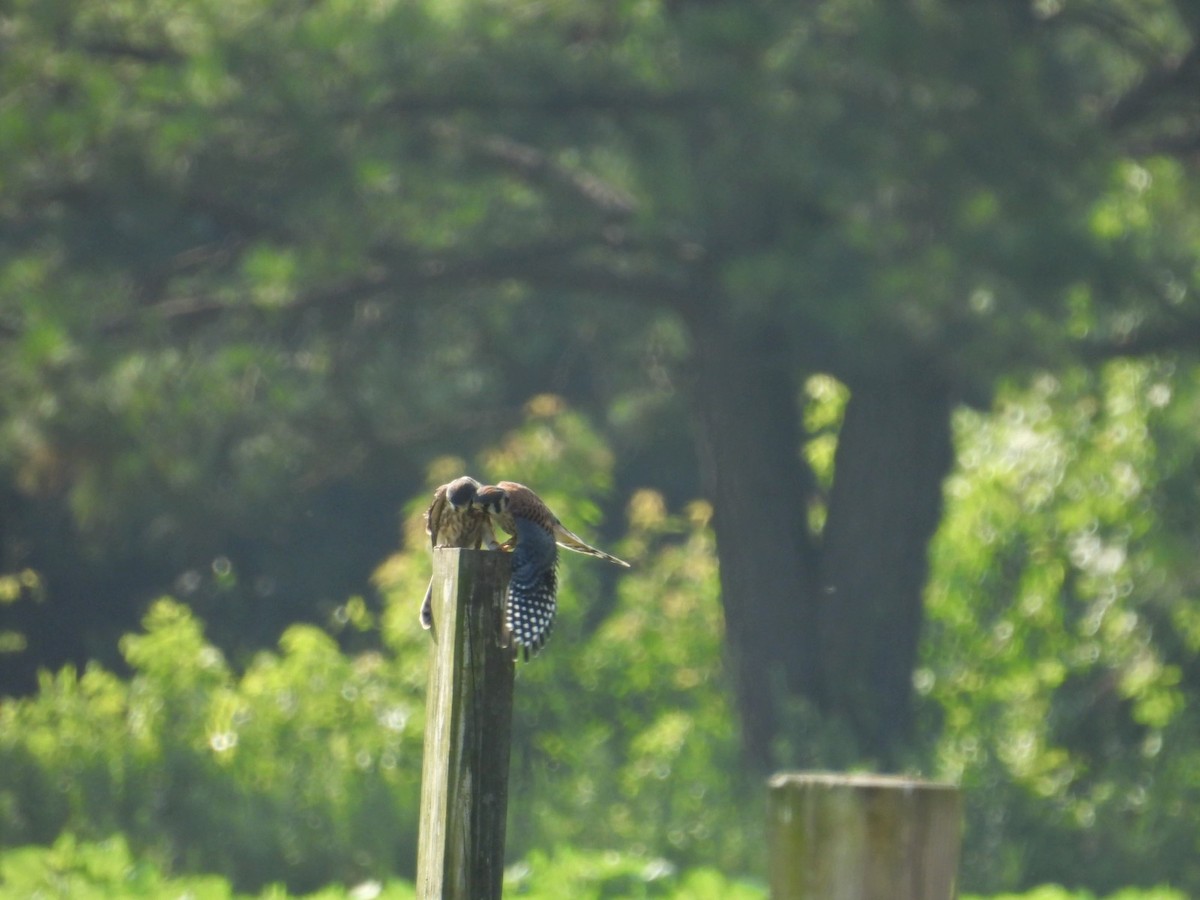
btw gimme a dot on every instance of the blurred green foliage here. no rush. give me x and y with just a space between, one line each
303 768
1068 719
1060 661
596 876
107 870
266 259
1054 892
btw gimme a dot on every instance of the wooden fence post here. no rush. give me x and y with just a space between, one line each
468 724
862 837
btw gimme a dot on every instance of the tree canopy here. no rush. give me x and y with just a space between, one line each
267 262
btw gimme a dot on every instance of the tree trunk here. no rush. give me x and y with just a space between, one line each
832 627
747 407
894 450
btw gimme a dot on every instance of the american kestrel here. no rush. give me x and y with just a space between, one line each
455 520
532 590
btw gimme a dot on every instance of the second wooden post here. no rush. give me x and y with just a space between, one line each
862 837
468 725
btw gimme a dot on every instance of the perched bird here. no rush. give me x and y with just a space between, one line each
507 501
455 520
532 590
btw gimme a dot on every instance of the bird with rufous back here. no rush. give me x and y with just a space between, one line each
537 533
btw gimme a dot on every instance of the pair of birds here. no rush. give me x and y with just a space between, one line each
463 513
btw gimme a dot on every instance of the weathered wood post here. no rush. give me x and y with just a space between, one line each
862 837
468 723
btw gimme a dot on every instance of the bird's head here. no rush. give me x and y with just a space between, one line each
461 492
492 500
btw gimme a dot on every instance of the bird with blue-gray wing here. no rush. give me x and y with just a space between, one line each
536 535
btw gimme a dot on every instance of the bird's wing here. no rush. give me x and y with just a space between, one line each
433 515
532 589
